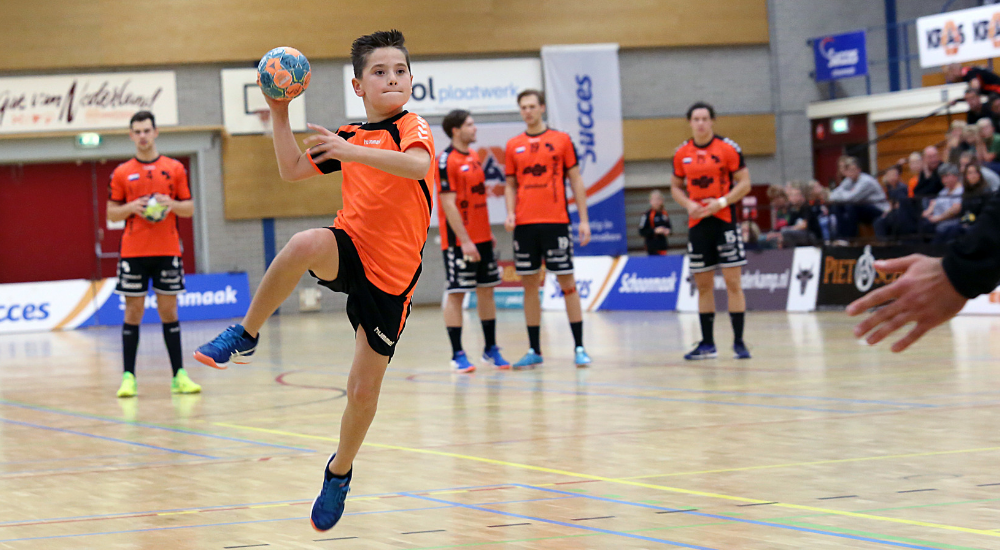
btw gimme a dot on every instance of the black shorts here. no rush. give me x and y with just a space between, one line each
134 274
463 276
715 243
551 241
380 314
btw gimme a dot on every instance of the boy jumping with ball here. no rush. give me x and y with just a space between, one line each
373 250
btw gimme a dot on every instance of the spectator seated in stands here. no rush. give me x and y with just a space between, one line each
915 164
858 199
975 192
929 182
777 198
976 108
752 238
803 227
655 226
943 210
984 80
993 104
819 203
991 177
990 142
962 138
897 192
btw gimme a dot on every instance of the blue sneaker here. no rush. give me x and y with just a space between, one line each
493 357
460 363
329 505
529 360
582 359
740 351
230 345
703 351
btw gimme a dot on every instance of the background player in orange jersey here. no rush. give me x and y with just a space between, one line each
466 239
709 178
372 252
537 165
150 249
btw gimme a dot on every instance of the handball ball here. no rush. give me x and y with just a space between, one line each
154 211
283 73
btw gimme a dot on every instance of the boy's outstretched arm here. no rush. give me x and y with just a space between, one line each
414 163
293 164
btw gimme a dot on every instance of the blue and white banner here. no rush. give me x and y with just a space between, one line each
840 56
583 98
66 305
645 283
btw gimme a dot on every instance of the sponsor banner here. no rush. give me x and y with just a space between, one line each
766 281
491 142
242 99
476 85
840 56
987 304
806 263
583 97
644 283
959 36
848 272
592 273
85 101
64 305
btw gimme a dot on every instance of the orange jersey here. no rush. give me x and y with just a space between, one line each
462 174
134 179
386 216
708 171
539 163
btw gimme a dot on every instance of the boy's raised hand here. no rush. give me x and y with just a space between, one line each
328 143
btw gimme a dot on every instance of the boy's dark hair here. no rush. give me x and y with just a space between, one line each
454 119
141 116
701 105
537 93
363 46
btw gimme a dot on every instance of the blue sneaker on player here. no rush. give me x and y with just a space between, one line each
492 356
581 357
231 345
740 351
460 363
703 351
329 505
529 360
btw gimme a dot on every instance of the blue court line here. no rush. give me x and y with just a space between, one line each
129 466
561 523
116 440
649 397
151 426
738 520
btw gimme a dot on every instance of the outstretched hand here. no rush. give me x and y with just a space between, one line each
328 143
922 295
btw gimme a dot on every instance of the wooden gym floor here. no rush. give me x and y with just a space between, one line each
818 442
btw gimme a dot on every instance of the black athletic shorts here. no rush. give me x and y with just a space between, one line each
715 243
167 273
549 241
380 314
463 276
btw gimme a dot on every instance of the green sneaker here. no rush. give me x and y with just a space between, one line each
183 384
127 389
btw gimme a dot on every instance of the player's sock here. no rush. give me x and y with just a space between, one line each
737 319
533 338
130 345
247 335
577 329
172 338
490 332
455 335
707 328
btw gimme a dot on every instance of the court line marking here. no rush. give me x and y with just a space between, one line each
114 439
815 462
730 518
560 523
146 425
940 545
638 484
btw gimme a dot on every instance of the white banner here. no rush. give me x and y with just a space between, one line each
987 304
476 85
804 287
242 99
32 307
85 101
959 36
583 97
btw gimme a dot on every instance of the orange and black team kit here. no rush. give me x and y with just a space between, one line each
461 173
150 250
539 164
381 230
708 172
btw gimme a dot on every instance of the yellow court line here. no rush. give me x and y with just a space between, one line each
792 464
631 483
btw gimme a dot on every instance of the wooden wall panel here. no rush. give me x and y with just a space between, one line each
656 138
915 138
253 189
101 33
